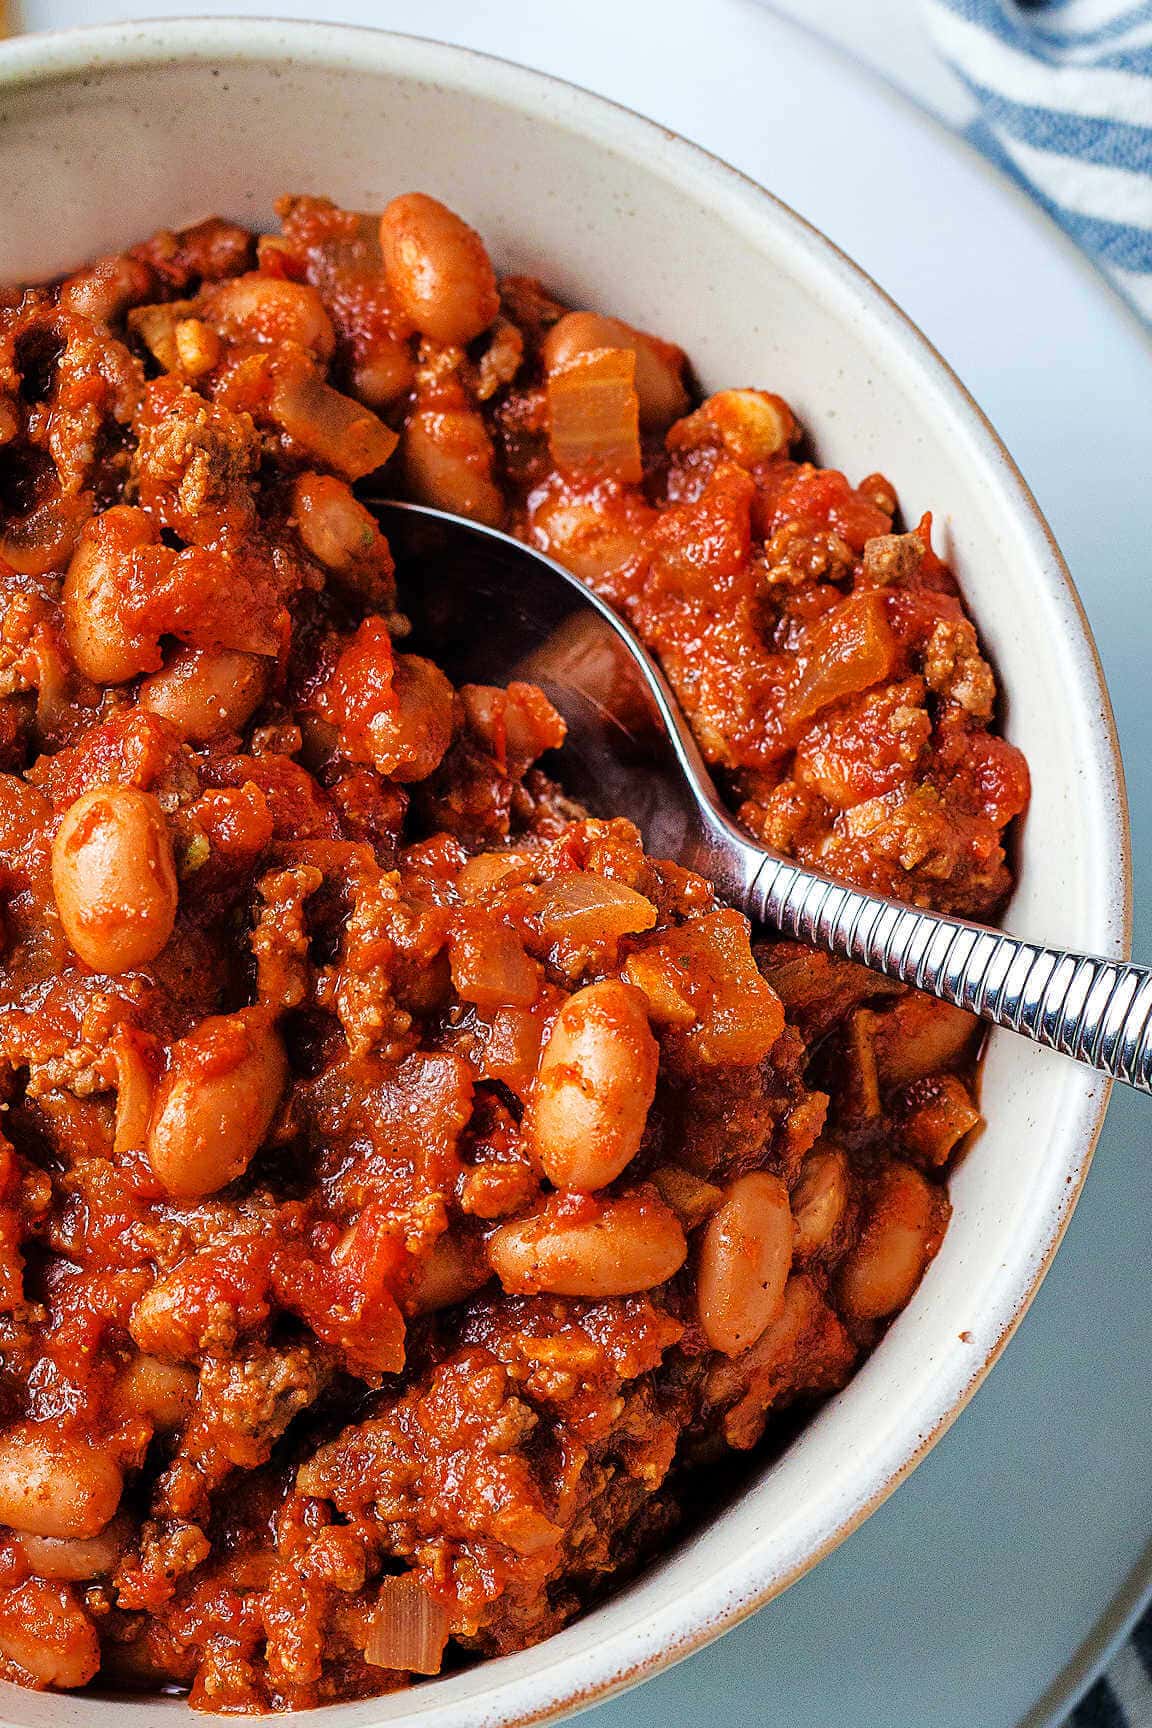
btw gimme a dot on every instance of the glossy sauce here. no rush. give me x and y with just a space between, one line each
401 1172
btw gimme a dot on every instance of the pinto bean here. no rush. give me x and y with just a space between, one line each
45 1631
595 1087
103 644
745 1259
77 1558
206 692
599 1248
51 1485
447 458
114 878
107 288
752 426
819 1199
216 1102
384 373
332 522
438 269
592 535
659 376
163 1393
410 740
454 1270
271 309
882 1271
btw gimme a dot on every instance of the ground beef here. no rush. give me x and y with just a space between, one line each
410 1191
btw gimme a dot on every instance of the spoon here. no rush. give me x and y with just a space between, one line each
489 609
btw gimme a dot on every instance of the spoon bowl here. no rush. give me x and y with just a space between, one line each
491 609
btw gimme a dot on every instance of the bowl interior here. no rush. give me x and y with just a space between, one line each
123 131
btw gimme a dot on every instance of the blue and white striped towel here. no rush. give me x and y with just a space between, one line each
1063 100
1122 1698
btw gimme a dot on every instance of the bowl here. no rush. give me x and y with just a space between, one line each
126 129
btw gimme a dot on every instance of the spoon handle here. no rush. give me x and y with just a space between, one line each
1097 1011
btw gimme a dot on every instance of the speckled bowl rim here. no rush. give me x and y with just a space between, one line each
63 55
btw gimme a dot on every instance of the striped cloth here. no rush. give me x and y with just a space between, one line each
1062 99
1122 1697
1062 91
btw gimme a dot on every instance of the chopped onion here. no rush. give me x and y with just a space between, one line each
706 969
408 1631
135 1084
584 907
850 649
486 870
512 1049
938 1112
594 416
490 967
156 328
920 1036
342 433
54 695
861 1054
667 1004
690 1197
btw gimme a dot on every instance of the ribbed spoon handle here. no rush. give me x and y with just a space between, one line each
1097 1011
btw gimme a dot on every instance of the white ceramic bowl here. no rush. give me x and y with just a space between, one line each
105 135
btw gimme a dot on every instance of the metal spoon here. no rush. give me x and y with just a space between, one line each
489 609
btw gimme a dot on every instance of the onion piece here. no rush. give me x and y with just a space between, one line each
861 1053
135 1087
155 326
937 1113
919 1036
512 1047
667 1004
849 650
408 1630
707 968
490 967
484 871
585 907
690 1197
594 417
338 431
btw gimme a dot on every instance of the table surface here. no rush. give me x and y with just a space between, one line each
890 36
1036 1504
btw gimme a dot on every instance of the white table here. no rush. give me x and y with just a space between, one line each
888 35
